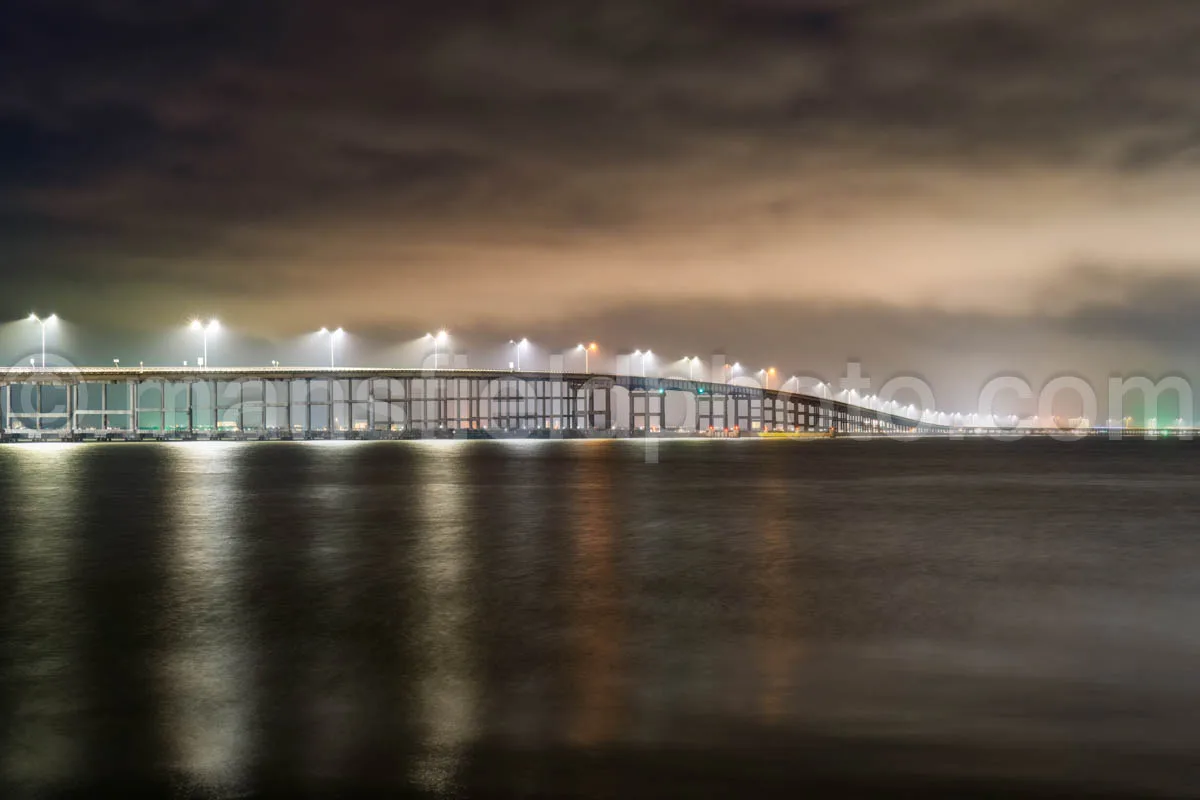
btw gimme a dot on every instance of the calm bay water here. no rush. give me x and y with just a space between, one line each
492 619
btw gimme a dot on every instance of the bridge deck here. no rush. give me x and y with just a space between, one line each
574 397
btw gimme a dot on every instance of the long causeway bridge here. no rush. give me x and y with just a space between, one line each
72 404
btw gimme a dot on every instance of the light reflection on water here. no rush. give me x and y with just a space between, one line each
447 685
40 527
205 669
596 611
562 618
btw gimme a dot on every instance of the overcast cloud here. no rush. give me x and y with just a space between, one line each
941 166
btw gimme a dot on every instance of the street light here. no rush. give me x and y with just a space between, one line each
517 346
692 361
205 328
333 335
591 348
441 338
643 355
42 322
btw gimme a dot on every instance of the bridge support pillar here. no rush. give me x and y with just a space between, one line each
287 408
307 407
133 408
72 404
371 406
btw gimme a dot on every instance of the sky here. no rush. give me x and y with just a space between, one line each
949 188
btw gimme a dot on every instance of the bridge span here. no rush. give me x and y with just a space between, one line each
312 402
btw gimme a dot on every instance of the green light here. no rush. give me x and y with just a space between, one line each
662 391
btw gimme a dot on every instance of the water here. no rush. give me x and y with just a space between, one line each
553 619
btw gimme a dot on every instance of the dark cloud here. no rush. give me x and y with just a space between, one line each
396 163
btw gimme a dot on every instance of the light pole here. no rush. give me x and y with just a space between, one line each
42 322
643 355
692 361
517 346
441 337
591 348
333 335
204 328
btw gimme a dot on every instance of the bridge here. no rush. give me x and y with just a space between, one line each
72 404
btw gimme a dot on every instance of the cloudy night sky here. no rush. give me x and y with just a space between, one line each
947 187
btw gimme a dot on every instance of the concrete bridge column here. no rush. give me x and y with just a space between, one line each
408 403
287 409
307 407
479 392
6 419
371 406
389 421
72 389
133 407
215 402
